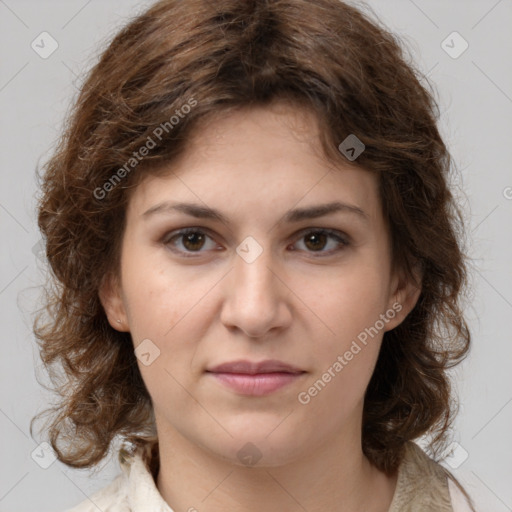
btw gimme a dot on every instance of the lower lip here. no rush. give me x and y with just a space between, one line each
256 385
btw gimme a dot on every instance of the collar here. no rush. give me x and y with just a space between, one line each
420 481
139 473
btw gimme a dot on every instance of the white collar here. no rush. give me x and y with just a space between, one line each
141 490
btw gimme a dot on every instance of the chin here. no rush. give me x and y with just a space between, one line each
259 446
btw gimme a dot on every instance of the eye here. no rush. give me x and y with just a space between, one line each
316 240
189 240
192 240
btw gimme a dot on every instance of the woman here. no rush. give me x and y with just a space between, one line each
257 266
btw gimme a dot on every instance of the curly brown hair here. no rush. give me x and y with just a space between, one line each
322 55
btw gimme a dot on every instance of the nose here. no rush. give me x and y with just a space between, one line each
256 297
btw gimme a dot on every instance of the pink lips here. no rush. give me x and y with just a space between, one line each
256 379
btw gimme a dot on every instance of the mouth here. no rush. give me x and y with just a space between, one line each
255 379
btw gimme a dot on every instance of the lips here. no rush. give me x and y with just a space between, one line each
253 368
255 379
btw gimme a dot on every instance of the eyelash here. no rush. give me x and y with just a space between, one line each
334 234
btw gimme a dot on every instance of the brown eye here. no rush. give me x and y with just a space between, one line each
193 241
189 241
315 241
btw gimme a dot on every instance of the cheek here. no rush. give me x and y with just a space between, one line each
347 300
346 348
162 310
345 353
156 297
168 306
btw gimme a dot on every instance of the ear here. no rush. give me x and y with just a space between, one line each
403 297
111 299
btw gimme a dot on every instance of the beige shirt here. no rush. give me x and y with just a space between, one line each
422 486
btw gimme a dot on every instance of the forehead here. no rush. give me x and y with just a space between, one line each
258 158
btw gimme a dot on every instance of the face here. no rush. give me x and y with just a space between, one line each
285 258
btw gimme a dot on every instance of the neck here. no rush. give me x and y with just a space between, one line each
335 476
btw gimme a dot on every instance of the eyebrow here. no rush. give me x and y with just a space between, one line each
296 215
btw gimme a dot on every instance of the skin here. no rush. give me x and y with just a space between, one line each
297 302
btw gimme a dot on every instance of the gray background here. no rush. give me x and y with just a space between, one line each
475 94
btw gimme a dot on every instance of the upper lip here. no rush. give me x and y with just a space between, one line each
252 368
